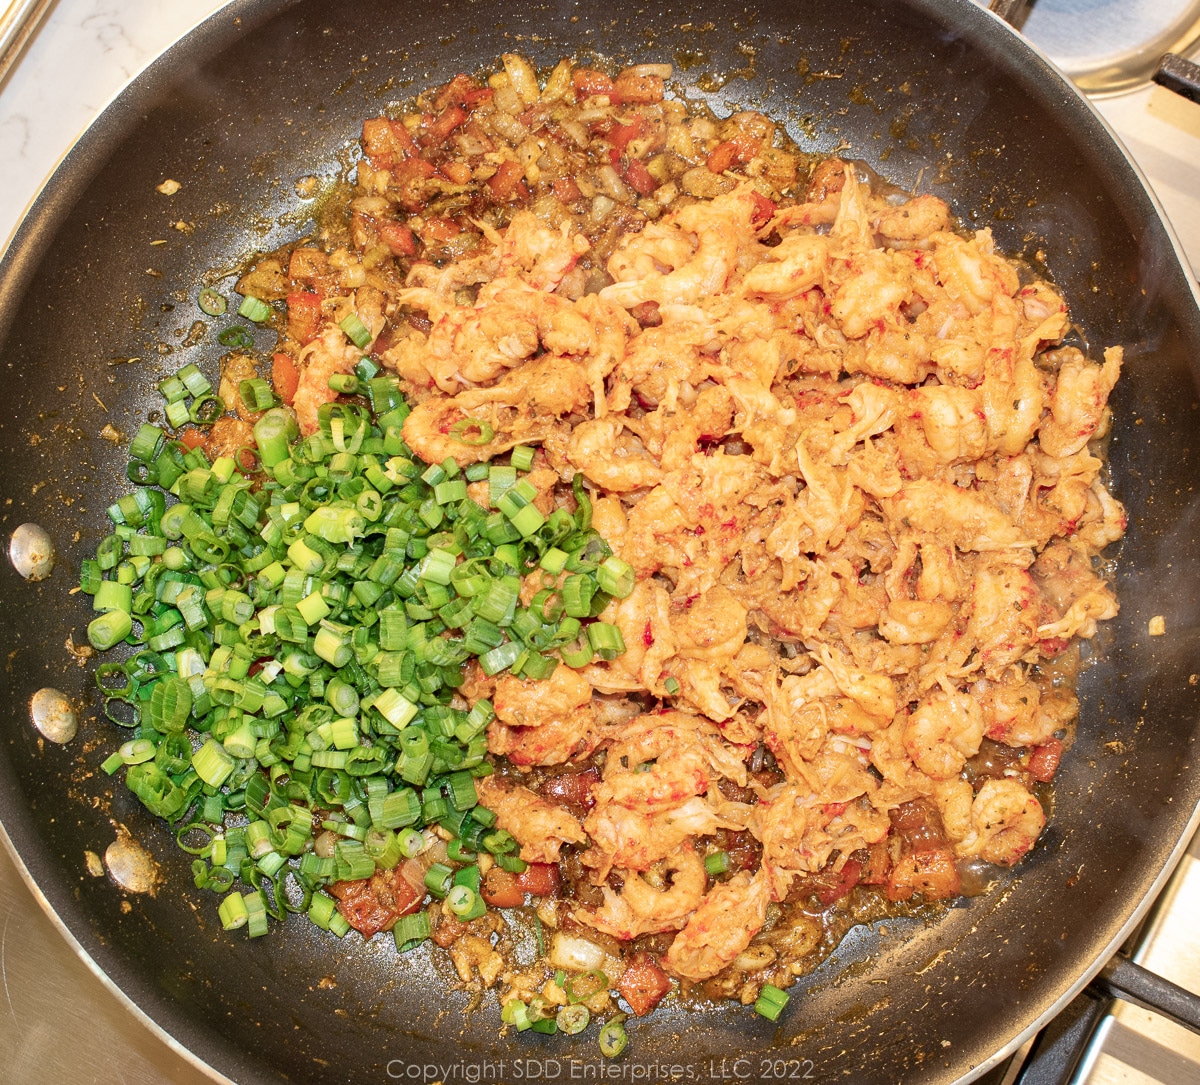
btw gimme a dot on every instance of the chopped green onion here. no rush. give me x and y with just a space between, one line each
109 629
212 301
438 879
672 686
359 333
461 900
515 1012
582 986
411 930
613 1038
573 1019
615 577
472 431
303 622
606 640
771 1001
236 337
232 912
253 308
717 863
256 395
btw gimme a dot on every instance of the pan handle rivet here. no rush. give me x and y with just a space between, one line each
130 865
31 550
53 715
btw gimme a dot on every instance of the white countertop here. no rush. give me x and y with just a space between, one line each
83 54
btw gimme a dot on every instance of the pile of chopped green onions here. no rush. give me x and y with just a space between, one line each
294 635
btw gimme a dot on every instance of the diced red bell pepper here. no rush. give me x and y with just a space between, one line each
643 983
639 178
506 181
1044 760
566 189
499 889
436 129
638 89
284 376
589 83
621 135
540 879
458 91
398 237
304 315
846 879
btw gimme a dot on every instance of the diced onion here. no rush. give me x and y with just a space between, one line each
574 954
640 71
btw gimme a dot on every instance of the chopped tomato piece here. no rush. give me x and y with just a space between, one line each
506 180
371 905
393 891
284 376
499 889
642 89
304 316
361 908
1043 761
540 879
643 983
589 82
639 178
621 135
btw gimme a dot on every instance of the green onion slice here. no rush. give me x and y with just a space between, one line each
212 301
472 431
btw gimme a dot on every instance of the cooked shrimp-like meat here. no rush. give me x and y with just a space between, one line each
1005 822
731 914
837 440
522 702
642 909
540 827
